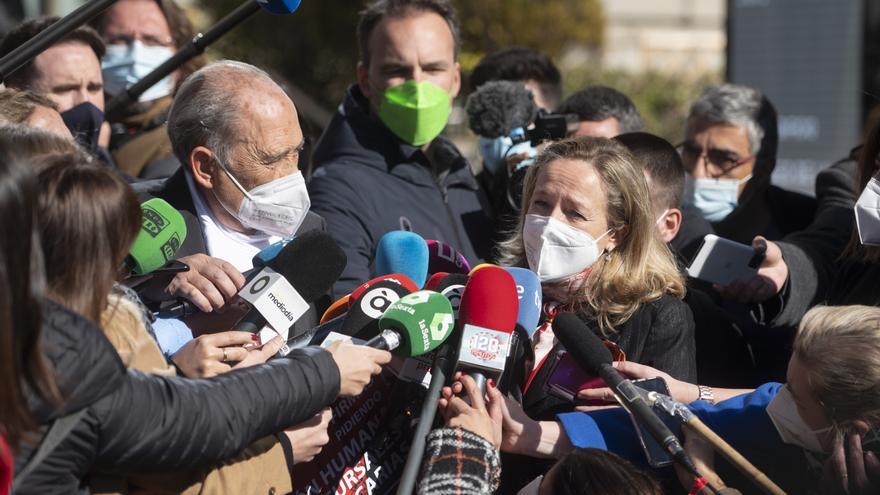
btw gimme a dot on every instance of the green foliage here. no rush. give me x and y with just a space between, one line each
550 26
316 47
662 99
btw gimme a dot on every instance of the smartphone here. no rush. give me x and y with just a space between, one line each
721 261
568 378
656 454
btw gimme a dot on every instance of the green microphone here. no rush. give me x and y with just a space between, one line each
416 324
162 233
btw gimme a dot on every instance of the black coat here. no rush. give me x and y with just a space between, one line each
142 423
176 192
368 182
659 334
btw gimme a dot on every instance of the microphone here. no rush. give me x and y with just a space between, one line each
403 252
196 47
269 253
588 351
281 292
496 108
521 357
162 232
435 280
444 258
17 58
338 308
182 308
279 7
452 287
487 313
530 296
416 324
368 303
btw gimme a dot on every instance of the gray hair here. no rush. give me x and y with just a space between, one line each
732 104
206 109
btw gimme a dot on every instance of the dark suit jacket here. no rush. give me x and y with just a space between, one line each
175 191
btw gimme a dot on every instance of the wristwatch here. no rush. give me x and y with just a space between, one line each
706 394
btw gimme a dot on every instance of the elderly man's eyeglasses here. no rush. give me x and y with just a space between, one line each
146 39
718 162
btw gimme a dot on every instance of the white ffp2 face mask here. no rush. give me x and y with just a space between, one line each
124 65
867 211
789 424
556 250
276 208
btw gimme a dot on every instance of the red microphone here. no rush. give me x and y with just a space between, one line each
435 280
487 314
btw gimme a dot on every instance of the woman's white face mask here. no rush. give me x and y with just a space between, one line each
555 250
791 427
867 212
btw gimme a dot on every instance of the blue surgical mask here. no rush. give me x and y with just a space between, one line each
713 198
124 65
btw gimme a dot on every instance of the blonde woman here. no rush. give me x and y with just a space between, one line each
587 230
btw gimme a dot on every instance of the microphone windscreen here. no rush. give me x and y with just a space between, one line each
338 308
452 287
268 253
398 278
311 263
367 305
530 298
403 252
490 300
435 280
279 6
423 320
498 107
162 232
443 258
584 346
479 267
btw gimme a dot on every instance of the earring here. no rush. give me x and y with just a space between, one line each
608 256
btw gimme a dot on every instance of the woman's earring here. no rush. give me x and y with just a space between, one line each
607 255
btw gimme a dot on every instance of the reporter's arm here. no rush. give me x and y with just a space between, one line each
153 423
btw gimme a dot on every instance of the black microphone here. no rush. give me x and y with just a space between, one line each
15 59
588 351
280 293
498 107
196 47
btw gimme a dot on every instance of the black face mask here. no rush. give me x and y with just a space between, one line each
84 122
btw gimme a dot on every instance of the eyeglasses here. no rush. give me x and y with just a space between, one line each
718 162
146 39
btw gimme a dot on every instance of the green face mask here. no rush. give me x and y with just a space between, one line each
415 112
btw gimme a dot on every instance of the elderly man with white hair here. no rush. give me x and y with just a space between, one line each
239 188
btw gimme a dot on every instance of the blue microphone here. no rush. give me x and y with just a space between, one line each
521 358
269 253
403 252
528 288
279 7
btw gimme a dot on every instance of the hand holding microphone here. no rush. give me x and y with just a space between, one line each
357 365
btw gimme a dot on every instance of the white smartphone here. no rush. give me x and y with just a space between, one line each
721 261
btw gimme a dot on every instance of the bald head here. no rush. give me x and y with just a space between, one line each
224 105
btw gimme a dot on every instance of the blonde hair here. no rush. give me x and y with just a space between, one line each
641 268
840 348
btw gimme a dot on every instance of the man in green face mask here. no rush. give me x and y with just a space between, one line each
382 163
